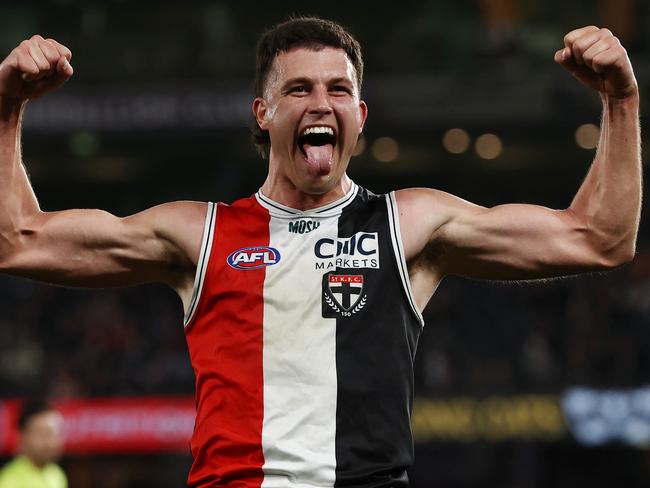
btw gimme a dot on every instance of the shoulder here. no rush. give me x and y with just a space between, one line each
16 464
15 473
172 218
418 206
174 212
8 470
424 213
415 198
176 227
433 206
56 476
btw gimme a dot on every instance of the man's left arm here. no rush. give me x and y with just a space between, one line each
517 241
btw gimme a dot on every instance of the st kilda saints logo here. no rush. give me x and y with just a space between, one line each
342 295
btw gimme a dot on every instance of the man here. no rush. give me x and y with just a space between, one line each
303 301
41 441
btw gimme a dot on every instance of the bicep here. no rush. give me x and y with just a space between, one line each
516 241
92 248
505 242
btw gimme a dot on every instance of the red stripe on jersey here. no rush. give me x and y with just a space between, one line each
225 344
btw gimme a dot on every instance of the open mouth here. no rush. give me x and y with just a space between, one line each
316 136
317 146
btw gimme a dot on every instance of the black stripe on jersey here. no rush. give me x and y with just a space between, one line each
375 348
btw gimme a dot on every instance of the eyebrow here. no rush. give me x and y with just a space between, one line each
342 80
293 81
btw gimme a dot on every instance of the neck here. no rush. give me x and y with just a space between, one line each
281 189
39 465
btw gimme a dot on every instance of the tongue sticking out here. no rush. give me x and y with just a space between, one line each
319 158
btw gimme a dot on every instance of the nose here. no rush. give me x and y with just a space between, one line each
319 103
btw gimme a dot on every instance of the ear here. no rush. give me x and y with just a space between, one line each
363 112
259 111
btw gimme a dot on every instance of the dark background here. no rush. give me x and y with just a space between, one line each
158 110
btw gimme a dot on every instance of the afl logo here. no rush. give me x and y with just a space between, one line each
254 257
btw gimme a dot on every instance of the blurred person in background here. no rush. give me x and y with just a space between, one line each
303 302
41 442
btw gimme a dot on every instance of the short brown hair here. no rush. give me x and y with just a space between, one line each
310 32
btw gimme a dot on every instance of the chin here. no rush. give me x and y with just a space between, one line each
311 181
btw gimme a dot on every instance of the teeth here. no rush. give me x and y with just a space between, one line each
318 130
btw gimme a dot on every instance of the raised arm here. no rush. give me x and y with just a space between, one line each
79 247
446 235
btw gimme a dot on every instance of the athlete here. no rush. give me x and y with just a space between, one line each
41 443
303 301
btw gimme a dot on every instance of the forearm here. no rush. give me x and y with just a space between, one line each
17 199
608 203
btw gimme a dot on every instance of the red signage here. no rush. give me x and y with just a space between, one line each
114 425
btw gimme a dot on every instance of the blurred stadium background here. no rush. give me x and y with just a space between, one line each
518 385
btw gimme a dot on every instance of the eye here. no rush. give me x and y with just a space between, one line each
341 89
298 89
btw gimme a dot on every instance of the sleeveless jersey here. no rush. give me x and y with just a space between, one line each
302 331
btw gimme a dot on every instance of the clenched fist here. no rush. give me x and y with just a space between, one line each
33 68
596 58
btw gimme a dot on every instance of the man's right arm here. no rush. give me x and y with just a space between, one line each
79 247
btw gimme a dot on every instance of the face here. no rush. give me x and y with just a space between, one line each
314 116
42 437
